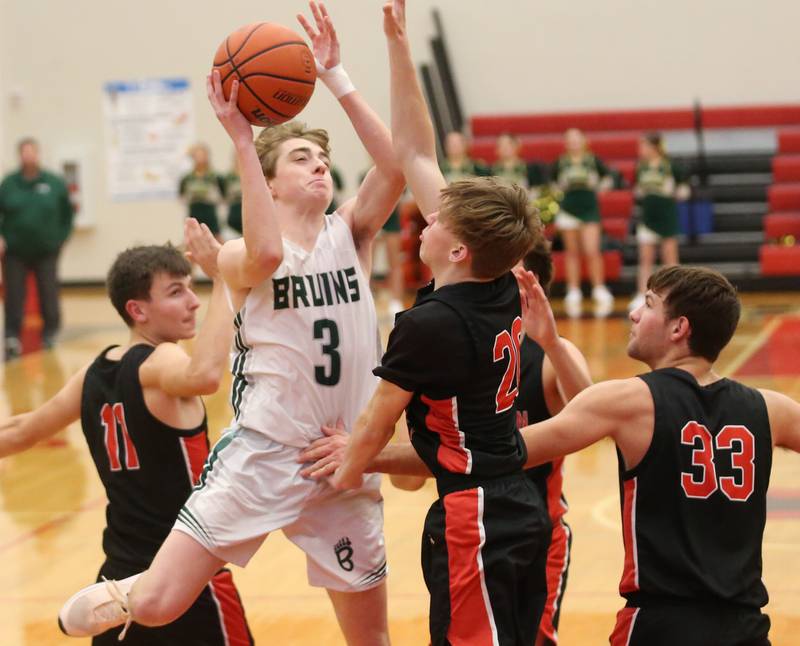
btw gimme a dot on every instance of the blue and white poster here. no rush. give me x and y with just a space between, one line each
149 128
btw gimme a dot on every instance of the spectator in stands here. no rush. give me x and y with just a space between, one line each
457 163
202 189
580 175
35 221
233 197
659 183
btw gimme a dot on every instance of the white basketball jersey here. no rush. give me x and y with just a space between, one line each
306 342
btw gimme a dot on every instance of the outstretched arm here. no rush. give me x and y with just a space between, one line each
169 368
247 262
372 432
412 129
383 185
784 420
565 372
21 432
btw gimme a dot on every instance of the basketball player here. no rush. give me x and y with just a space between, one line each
306 341
695 452
145 424
552 372
452 364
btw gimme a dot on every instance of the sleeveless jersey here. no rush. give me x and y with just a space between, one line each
457 350
306 342
532 408
147 467
694 508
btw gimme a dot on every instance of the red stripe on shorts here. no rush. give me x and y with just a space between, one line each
557 559
231 611
630 571
626 618
195 451
471 618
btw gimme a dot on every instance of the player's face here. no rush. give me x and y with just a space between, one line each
303 174
649 335
437 241
172 308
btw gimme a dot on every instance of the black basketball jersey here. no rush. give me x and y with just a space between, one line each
532 408
694 508
147 468
457 350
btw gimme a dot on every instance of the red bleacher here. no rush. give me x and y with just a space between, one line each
780 260
789 141
784 197
786 168
778 225
548 148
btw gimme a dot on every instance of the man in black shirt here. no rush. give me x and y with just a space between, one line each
145 425
453 365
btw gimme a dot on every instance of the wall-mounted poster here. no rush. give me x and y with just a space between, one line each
149 128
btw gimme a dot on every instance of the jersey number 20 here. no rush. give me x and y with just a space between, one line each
506 344
113 418
703 457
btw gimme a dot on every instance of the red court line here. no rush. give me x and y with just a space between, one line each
50 524
779 355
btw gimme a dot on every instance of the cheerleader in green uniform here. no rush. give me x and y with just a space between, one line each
233 196
580 175
658 185
457 163
509 164
202 189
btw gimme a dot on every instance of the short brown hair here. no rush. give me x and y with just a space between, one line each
494 219
708 301
270 139
539 260
131 275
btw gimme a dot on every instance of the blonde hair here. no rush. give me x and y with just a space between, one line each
494 219
269 141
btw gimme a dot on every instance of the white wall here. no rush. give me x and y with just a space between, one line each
513 57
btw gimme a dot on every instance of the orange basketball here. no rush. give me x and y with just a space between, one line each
275 69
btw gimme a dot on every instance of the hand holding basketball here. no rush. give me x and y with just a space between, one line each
324 41
227 110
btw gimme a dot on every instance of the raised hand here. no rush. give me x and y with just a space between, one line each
202 247
537 315
394 19
323 39
227 111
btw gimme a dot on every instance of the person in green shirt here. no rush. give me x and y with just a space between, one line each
35 220
202 189
509 164
233 197
659 184
457 163
579 175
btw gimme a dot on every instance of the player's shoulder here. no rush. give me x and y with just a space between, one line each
429 314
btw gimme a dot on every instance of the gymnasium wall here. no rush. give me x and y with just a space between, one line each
517 56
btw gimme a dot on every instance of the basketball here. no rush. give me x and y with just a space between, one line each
274 67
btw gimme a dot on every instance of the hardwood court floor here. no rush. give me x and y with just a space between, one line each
51 501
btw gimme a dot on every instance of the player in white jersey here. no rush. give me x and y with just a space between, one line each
306 344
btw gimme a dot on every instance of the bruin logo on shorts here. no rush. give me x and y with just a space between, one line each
344 553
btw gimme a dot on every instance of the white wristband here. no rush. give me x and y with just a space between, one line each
336 80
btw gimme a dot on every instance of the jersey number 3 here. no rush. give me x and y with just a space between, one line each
507 344
738 487
327 331
113 419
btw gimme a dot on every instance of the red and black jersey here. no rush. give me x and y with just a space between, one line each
147 467
532 408
694 508
457 350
